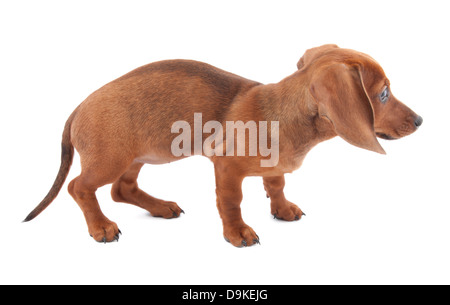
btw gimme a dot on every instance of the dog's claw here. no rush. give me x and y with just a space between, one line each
104 240
296 216
120 232
175 215
244 243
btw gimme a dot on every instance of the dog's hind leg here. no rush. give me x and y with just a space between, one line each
126 189
96 173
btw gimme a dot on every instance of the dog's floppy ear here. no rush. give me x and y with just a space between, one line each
339 92
314 53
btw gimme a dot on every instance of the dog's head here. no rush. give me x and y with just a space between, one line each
352 91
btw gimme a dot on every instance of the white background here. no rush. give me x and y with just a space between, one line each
371 219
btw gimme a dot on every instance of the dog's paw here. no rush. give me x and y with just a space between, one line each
104 231
165 209
241 236
287 211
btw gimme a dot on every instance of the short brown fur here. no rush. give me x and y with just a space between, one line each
127 123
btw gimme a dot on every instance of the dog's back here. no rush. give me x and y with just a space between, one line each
140 103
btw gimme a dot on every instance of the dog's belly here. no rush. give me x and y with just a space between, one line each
155 159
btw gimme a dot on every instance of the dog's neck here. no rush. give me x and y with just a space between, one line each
291 103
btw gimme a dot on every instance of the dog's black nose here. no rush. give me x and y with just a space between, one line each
418 121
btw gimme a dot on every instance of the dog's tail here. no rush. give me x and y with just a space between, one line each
66 162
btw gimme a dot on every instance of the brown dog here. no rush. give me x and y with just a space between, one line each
128 122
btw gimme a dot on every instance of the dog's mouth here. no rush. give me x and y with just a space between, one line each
385 136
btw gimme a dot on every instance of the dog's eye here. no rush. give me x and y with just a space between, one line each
384 96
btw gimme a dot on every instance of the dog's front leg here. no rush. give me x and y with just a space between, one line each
280 207
229 197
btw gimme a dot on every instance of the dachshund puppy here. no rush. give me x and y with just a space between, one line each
131 121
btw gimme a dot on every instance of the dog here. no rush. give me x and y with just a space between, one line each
127 123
